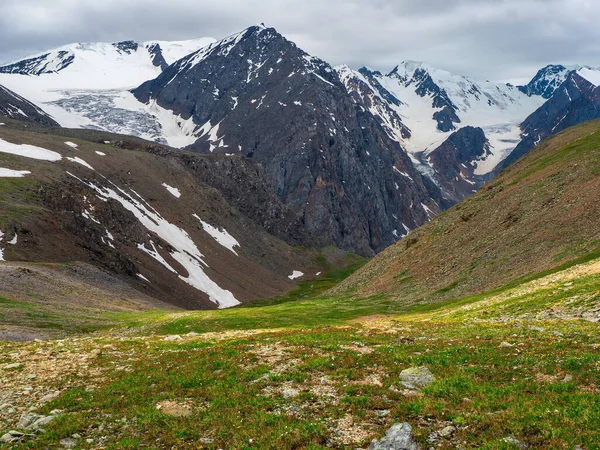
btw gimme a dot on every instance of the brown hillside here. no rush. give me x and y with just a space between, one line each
541 212
60 213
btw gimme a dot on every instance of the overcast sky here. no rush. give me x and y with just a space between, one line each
488 39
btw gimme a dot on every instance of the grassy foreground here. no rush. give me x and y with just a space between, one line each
521 362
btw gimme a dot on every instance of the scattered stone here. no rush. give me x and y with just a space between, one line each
448 431
13 366
50 396
172 338
174 409
28 419
383 412
506 345
15 436
193 334
68 442
540 329
399 437
557 334
290 393
433 438
568 378
404 340
516 442
416 377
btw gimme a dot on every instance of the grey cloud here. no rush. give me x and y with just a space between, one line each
499 39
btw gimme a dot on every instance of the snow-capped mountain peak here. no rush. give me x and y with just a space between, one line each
548 79
433 103
105 65
86 85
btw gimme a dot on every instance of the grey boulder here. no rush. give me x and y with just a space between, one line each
416 377
399 437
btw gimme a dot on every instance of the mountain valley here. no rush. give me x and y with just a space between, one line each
234 244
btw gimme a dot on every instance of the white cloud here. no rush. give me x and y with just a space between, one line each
501 39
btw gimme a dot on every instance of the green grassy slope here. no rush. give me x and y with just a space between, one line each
538 214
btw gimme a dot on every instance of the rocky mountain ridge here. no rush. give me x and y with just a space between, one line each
16 107
360 157
258 96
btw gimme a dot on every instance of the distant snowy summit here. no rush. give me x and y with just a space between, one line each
106 65
551 77
86 85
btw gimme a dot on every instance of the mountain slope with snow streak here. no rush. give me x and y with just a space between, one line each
104 205
576 100
15 106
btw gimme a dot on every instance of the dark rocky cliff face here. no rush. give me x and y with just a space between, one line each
259 96
574 102
16 107
373 97
454 162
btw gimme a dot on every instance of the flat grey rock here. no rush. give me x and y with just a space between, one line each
399 437
416 377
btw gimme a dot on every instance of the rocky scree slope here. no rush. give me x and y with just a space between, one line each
541 212
257 95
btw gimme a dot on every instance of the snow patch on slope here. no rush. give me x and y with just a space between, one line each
591 75
9 173
184 250
221 236
29 151
80 161
172 190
